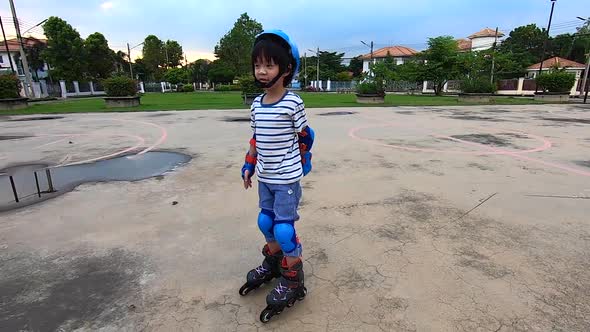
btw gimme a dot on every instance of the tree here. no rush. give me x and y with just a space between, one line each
525 43
221 72
65 50
99 57
330 65
441 62
235 47
198 70
569 46
33 53
173 54
176 75
344 76
410 71
121 63
140 68
356 66
153 56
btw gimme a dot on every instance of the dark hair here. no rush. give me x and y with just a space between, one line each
275 49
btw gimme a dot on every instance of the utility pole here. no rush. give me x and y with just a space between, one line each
585 80
167 60
130 64
305 69
318 73
28 86
545 42
6 45
372 59
494 57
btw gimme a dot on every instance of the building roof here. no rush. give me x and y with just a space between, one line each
395 51
559 62
464 44
13 43
487 32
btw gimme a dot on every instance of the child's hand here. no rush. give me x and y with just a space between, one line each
247 180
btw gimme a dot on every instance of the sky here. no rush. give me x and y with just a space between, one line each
328 24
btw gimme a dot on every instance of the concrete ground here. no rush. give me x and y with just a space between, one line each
413 219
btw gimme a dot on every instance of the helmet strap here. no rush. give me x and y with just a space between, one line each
269 84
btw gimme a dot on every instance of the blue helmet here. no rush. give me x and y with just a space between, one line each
293 51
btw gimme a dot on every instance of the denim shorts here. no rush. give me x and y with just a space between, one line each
282 199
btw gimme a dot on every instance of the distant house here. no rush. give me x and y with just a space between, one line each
400 55
14 53
569 65
479 41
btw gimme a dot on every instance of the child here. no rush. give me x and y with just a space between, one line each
280 153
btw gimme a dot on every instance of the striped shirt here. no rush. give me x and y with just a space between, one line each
276 126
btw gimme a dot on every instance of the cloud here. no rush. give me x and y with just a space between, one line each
106 5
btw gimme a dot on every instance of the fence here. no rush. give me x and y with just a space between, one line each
79 89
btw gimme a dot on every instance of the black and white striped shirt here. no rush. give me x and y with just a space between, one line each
276 126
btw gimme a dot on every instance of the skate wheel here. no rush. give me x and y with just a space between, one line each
245 290
302 294
265 316
291 302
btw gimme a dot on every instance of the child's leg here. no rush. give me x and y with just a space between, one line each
266 217
285 208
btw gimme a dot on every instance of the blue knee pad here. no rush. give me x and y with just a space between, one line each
285 235
266 220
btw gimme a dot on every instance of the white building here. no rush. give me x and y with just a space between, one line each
400 55
479 41
14 53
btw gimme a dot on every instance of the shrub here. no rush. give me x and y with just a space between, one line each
248 86
188 88
310 89
9 86
120 86
556 81
227 87
370 88
478 85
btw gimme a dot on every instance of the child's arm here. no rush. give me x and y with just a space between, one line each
305 135
251 155
249 164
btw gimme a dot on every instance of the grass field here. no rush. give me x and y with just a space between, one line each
230 100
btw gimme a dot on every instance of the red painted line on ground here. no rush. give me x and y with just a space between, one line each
353 133
516 155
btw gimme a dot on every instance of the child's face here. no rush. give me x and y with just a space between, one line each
266 71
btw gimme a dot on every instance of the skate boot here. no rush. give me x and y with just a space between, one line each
289 289
268 270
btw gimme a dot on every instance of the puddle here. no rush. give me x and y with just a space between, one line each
65 179
336 113
157 115
571 120
38 118
475 118
11 137
585 163
485 139
493 110
236 119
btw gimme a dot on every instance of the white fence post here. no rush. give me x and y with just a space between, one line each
91 87
64 91
520 85
44 91
76 87
141 87
329 85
